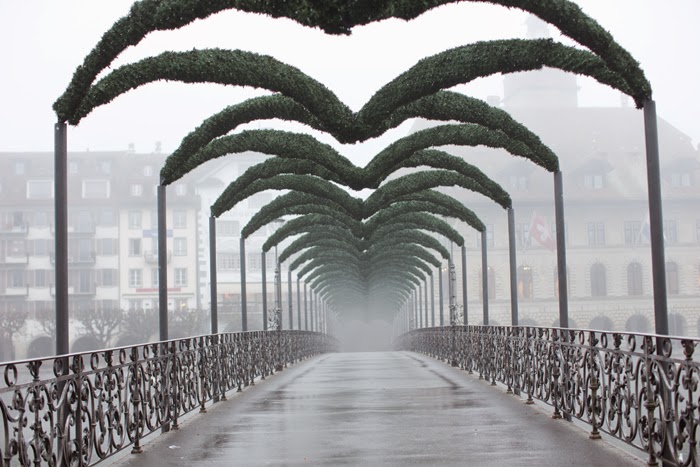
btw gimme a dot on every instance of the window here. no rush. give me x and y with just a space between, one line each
489 236
522 235
154 277
633 232
526 287
593 181
670 232
135 279
259 200
20 167
134 219
106 167
232 229
72 167
40 276
39 189
16 248
599 280
180 246
84 222
180 189
42 247
491 284
108 277
596 233
147 170
106 216
517 182
136 189
672 280
180 277
16 279
41 219
96 189
254 262
106 246
228 261
634 279
179 219
681 179
134 247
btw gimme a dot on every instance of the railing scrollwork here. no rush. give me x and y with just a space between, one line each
639 388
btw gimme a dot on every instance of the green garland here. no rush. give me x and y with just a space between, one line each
334 17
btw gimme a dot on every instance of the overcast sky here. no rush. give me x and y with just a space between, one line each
43 41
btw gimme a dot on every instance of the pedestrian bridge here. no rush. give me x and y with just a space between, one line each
477 395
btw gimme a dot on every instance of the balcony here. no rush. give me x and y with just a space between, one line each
12 228
151 257
83 291
14 259
19 291
80 259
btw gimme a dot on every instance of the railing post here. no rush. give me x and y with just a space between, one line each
263 272
513 268
244 298
656 220
464 286
485 277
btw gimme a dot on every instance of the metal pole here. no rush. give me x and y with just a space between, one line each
561 251
306 309
464 284
425 287
244 298
656 220
278 293
451 290
441 301
162 265
290 299
432 300
212 274
513 268
61 240
263 270
485 277
312 298
299 304
420 306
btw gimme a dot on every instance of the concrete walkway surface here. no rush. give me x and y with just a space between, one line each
367 409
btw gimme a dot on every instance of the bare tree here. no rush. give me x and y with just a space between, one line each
11 321
101 323
139 325
47 320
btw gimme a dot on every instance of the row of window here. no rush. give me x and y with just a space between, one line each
232 261
635 233
92 189
82 280
179 246
135 219
598 279
136 277
597 181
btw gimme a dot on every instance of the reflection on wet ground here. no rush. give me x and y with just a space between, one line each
382 408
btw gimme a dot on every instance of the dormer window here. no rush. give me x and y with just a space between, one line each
594 181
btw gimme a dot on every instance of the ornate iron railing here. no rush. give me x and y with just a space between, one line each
82 408
639 388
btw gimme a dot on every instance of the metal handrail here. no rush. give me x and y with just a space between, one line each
82 408
639 388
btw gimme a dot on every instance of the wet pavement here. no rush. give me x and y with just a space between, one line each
384 408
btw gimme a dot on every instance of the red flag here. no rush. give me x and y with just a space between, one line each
539 230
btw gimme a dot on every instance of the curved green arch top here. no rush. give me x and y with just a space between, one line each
334 17
441 106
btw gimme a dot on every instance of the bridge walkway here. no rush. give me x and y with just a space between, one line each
382 408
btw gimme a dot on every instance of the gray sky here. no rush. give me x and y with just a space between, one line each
45 40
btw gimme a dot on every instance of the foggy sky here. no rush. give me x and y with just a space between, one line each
45 40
